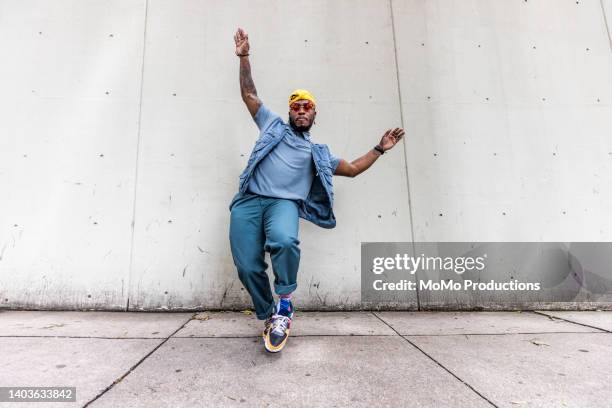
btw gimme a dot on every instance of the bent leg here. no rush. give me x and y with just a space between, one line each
247 243
281 225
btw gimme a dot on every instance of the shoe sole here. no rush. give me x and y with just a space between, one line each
270 348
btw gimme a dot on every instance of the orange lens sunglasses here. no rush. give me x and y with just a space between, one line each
296 106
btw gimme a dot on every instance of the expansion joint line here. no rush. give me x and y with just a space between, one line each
401 109
118 380
436 361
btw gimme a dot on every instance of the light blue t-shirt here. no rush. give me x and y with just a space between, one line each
288 170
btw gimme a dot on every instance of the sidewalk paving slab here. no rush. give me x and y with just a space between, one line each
599 319
90 365
90 324
237 324
524 370
360 371
332 359
444 323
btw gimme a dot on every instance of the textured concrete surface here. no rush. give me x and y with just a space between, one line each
336 371
333 359
124 135
534 370
599 319
71 106
230 324
90 324
440 323
89 364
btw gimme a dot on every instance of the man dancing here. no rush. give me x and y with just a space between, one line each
287 177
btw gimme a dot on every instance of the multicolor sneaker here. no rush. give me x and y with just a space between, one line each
267 324
277 329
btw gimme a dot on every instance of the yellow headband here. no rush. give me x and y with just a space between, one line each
301 94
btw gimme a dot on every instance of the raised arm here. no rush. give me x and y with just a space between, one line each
361 164
247 87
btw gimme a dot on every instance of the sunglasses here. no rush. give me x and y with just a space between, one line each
296 106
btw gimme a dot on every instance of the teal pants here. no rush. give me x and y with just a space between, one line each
259 224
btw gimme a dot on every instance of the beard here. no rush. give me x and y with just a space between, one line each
299 128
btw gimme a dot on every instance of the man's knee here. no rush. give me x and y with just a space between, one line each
289 242
285 242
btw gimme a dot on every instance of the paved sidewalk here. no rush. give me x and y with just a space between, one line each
335 359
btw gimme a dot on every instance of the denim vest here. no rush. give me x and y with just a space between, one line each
317 208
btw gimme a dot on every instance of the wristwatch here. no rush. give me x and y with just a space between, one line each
379 148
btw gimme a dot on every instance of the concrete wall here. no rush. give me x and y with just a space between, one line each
123 135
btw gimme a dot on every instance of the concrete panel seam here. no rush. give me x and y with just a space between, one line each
104 391
603 11
401 109
352 335
437 362
142 67
571 321
80 337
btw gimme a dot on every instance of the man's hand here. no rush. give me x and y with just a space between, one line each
241 38
361 164
391 137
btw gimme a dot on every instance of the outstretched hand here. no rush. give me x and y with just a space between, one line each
391 137
241 38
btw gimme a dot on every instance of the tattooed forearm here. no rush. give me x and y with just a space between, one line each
247 86
246 81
